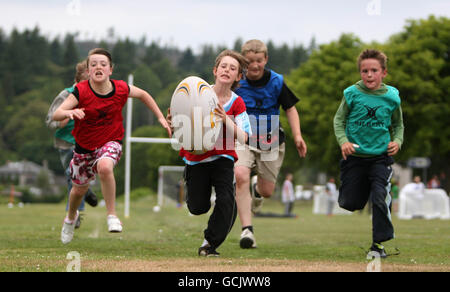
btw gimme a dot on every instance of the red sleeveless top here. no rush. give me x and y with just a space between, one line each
103 121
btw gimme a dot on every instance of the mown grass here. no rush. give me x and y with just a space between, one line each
30 237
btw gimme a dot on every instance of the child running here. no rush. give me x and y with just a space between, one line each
215 168
367 111
96 106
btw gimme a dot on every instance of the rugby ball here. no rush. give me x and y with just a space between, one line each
196 126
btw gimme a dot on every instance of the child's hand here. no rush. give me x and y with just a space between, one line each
301 146
166 126
347 149
393 148
76 113
169 120
221 113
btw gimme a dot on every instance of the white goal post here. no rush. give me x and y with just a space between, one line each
179 197
128 141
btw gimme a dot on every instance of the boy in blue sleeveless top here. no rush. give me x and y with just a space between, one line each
263 92
361 125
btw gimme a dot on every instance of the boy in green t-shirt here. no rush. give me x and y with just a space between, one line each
361 125
64 140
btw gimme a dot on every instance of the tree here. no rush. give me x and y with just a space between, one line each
16 65
419 67
166 72
153 54
238 45
187 62
56 52
319 84
124 59
145 78
70 58
206 62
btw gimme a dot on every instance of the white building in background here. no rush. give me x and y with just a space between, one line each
26 174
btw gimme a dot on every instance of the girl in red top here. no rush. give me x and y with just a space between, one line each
96 106
215 168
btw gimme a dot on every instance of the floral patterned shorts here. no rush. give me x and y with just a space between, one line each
83 167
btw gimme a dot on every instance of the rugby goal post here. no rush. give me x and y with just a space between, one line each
128 141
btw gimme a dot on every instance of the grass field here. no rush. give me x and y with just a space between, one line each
168 241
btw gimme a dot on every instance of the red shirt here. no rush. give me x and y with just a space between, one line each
103 121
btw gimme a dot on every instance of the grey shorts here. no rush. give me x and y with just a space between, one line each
266 163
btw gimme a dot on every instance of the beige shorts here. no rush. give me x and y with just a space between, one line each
265 163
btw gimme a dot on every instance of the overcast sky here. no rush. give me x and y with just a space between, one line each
191 23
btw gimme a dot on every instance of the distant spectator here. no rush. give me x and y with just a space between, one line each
287 194
394 194
434 183
419 185
332 193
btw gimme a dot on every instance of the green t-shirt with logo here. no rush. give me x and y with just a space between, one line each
365 117
65 133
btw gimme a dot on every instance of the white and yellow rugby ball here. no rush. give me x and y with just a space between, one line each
192 108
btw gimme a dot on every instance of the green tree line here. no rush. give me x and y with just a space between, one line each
34 69
418 65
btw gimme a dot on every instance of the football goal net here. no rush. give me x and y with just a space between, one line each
427 204
171 187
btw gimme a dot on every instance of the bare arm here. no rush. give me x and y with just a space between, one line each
294 123
148 100
67 110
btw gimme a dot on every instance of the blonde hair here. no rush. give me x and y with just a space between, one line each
255 46
238 57
81 71
373 54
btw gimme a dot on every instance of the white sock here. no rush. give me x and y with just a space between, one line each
205 243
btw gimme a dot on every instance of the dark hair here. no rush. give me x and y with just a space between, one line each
373 54
99 51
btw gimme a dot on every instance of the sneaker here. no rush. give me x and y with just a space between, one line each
78 222
114 224
207 251
257 200
378 249
68 229
91 198
247 239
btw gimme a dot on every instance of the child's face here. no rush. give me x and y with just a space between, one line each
227 72
257 62
372 73
99 68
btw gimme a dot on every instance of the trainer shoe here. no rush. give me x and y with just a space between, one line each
207 251
247 239
68 229
114 224
91 198
257 200
377 248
